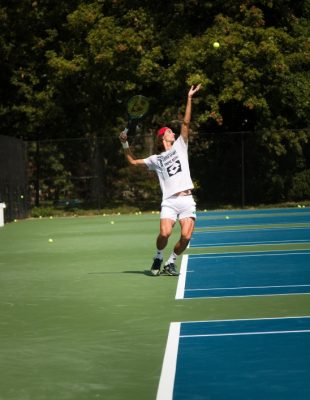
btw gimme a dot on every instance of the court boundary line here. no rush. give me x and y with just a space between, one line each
245 319
253 229
197 255
246 287
246 295
167 376
265 253
245 333
267 243
182 278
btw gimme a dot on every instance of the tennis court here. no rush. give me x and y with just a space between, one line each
82 319
242 254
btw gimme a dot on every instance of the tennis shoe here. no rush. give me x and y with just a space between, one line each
155 269
170 269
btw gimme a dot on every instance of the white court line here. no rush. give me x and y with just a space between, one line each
261 254
246 287
247 296
182 278
233 229
268 242
166 382
245 333
211 321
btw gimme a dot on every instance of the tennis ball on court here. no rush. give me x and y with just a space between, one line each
216 45
227 217
112 222
50 240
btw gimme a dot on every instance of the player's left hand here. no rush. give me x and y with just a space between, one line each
194 89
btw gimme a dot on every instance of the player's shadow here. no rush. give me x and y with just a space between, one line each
139 272
145 272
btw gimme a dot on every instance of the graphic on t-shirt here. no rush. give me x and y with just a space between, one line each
170 164
174 168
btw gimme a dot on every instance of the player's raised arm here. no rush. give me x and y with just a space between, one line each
188 112
128 153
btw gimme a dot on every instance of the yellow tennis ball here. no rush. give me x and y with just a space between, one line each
50 240
112 222
216 45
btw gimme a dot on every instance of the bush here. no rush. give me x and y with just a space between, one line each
300 189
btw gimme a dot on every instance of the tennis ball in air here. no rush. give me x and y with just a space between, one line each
216 45
227 217
50 240
112 222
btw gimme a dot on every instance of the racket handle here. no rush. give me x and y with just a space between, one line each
125 131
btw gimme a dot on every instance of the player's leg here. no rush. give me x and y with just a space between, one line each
187 218
165 230
187 228
168 217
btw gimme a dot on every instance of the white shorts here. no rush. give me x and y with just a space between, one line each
178 207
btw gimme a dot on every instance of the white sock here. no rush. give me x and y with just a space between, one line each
159 254
172 258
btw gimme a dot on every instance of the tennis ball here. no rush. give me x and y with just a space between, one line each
50 240
112 222
216 45
227 217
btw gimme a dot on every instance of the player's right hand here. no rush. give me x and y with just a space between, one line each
123 137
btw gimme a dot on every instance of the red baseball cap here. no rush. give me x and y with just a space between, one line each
162 131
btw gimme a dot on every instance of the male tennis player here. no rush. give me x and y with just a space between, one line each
172 168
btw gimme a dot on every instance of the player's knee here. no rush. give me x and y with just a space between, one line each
165 233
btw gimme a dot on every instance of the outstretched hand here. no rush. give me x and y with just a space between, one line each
194 89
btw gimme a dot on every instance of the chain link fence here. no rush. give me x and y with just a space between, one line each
13 178
234 169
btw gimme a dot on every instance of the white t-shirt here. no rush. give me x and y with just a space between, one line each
172 168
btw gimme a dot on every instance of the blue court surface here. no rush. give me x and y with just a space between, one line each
244 274
250 359
260 271
240 254
235 218
232 237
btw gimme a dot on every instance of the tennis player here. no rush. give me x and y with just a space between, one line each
172 168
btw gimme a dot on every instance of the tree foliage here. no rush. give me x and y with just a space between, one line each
68 68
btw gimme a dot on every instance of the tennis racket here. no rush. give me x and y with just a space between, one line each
137 107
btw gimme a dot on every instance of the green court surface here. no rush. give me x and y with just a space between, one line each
81 318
